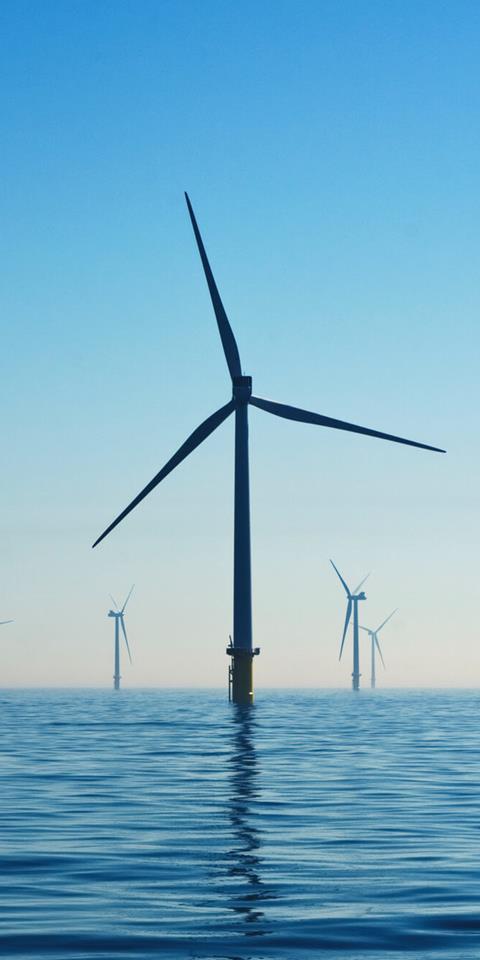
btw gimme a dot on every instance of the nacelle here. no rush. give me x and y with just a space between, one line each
242 388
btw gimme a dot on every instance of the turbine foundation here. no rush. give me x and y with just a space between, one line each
240 674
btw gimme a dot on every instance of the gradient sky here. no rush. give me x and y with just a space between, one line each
331 151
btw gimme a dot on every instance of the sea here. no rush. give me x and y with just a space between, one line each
171 823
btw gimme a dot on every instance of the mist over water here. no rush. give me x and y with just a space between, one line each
148 823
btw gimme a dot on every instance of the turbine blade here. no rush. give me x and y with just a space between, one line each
364 628
386 621
193 441
304 416
6 621
339 575
115 604
229 344
128 598
379 650
361 583
347 621
126 638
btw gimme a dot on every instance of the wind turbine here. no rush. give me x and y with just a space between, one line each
352 604
119 622
373 634
241 650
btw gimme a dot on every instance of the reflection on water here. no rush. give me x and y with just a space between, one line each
244 860
173 824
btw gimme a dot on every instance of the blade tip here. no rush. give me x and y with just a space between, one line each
99 539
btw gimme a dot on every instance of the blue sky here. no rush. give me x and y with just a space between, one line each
331 152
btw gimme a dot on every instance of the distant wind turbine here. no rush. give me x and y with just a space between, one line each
119 622
241 650
352 604
373 634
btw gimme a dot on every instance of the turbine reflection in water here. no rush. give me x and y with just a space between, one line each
244 858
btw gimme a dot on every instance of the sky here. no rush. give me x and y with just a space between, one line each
331 152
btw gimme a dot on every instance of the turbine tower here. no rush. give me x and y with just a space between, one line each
352 604
241 650
119 623
373 634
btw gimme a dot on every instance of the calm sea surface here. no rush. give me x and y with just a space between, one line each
152 823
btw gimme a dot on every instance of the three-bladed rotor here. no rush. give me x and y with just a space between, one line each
119 615
374 634
352 596
241 394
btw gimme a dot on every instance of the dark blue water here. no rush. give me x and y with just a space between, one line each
172 824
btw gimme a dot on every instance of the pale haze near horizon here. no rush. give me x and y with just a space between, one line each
332 156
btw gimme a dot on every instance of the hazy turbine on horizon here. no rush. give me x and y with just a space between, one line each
373 634
119 623
241 650
352 604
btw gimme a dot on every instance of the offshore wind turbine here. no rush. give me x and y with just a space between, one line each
119 624
241 650
353 598
373 634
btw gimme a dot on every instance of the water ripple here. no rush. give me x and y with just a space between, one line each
173 824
